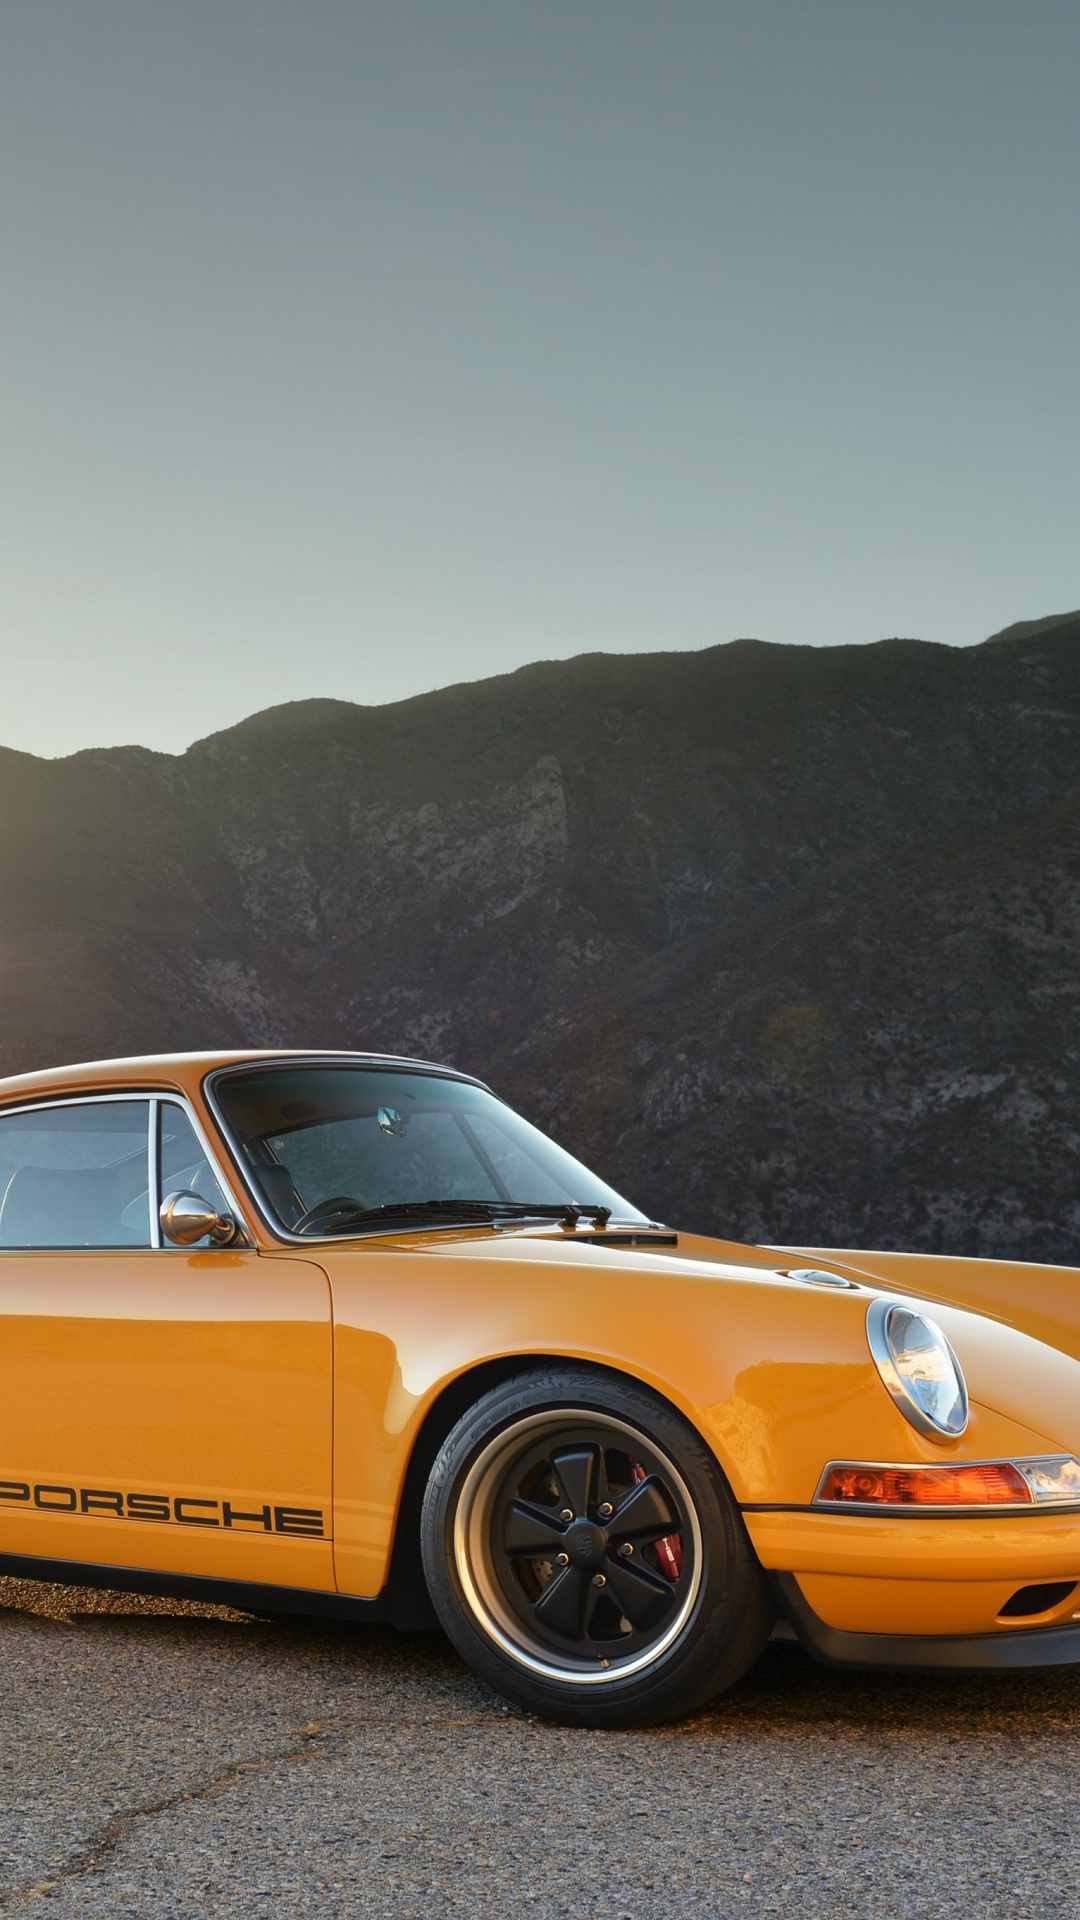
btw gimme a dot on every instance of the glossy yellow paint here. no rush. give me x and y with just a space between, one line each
300 1378
917 1575
201 1380
862 1605
1041 1300
775 1374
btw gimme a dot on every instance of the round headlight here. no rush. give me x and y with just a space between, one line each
919 1368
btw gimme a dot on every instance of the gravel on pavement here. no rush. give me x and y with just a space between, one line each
175 1761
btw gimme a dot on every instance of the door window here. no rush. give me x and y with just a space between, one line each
76 1175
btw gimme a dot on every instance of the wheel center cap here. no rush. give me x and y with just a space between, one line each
585 1543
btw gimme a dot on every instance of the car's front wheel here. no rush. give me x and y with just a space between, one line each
585 1555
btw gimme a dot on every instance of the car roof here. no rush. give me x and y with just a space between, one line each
185 1072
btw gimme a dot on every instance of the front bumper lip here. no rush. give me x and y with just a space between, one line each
971 1652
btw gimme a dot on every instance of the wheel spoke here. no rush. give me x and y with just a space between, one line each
594 1598
643 1595
580 1472
600 1491
646 1514
561 1606
532 1531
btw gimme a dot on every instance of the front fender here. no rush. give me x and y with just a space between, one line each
775 1375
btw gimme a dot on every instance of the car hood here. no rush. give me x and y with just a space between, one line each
1042 1301
719 1328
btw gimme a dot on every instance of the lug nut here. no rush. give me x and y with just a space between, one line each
599 1580
626 1549
562 1559
567 1514
606 1510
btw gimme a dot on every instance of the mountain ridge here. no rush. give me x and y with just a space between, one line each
566 877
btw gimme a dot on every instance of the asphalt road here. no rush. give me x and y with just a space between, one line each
162 1760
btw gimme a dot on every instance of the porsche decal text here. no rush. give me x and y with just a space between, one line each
183 1510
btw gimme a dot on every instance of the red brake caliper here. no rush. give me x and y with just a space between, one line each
668 1550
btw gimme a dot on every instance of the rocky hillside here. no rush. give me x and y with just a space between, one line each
783 940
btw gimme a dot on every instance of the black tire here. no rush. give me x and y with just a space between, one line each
547 1560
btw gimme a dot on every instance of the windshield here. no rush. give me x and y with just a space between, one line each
340 1142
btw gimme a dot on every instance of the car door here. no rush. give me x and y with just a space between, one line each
160 1408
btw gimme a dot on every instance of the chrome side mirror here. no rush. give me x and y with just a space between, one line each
186 1217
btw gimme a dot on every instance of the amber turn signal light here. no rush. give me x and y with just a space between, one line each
993 1483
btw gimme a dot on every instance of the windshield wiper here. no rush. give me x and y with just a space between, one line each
454 1211
569 1214
419 1210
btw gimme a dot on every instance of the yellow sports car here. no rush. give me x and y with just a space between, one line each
339 1334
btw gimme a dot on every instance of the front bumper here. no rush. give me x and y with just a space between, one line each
906 1577
972 1652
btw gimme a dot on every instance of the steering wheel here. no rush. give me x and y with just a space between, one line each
325 1211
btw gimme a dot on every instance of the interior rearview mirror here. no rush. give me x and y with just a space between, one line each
186 1217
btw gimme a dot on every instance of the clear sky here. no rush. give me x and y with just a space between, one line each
355 347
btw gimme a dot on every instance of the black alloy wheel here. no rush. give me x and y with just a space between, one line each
578 1520
585 1555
